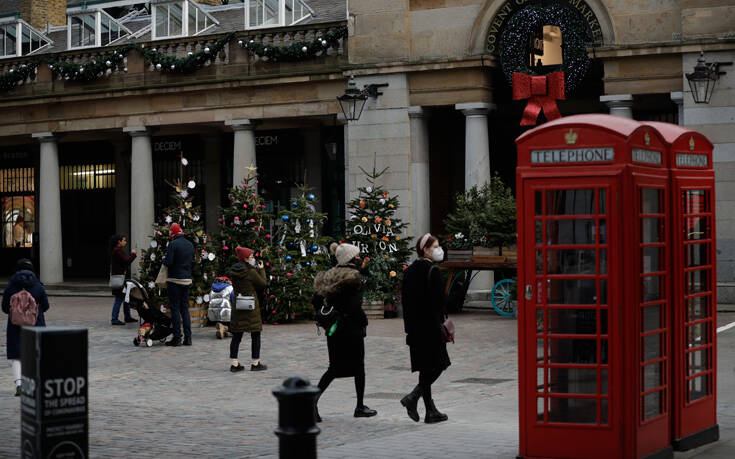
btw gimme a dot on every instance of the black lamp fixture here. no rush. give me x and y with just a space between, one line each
702 80
353 100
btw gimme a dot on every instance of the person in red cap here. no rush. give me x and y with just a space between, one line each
179 260
248 280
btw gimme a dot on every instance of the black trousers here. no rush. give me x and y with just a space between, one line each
235 344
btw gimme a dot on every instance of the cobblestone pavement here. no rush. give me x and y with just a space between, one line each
183 402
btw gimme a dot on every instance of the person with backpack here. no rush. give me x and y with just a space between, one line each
340 290
24 301
120 266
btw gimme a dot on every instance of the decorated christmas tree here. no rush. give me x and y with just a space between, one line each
188 216
298 254
245 223
373 227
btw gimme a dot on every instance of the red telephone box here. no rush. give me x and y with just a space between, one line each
594 289
694 296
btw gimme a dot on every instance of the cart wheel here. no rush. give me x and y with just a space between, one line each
149 342
136 342
501 297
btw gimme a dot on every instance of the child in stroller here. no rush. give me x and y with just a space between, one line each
154 324
220 305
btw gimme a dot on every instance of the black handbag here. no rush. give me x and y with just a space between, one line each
326 316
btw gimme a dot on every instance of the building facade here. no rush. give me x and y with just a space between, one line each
446 120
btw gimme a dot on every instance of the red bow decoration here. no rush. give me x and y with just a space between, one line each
542 92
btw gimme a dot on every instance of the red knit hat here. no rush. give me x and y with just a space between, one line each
175 230
243 253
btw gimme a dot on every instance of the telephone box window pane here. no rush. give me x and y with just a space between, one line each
603 203
539 350
651 318
651 347
573 410
570 202
572 351
698 281
569 232
603 291
539 320
571 291
652 376
698 387
572 321
698 361
652 230
540 379
652 405
652 258
650 201
603 321
695 201
570 261
538 202
603 232
603 351
603 261
540 409
603 382
573 380
539 262
698 307
699 334
603 411
539 232
697 228
697 255
651 288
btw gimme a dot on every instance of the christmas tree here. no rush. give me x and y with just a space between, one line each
244 223
374 228
188 216
299 253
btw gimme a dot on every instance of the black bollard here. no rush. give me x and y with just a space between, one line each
54 409
297 428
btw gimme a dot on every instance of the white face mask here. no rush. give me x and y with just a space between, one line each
438 254
252 262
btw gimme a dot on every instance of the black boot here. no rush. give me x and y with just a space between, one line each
364 412
432 414
410 402
175 341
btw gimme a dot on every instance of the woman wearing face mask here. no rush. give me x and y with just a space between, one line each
423 315
341 288
248 279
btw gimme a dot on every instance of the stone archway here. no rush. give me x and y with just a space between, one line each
492 8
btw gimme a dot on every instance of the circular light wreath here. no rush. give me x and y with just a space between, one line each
575 37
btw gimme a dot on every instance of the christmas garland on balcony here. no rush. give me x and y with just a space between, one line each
114 61
299 50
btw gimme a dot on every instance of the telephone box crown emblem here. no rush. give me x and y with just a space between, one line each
571 137
647 139
691 143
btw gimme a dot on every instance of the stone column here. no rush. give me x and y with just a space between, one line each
51 262
678 98
420 182
477 172
141 191
477 143
212 185
244 150
619 104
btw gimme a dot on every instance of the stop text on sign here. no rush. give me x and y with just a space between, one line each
572 155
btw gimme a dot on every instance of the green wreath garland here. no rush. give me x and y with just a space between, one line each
575 38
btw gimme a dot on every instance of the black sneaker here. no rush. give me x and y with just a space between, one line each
258 367
18 391
364 412
239 367
129 320
174 342
117 322
187 341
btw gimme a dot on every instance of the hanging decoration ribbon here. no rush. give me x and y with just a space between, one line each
542 92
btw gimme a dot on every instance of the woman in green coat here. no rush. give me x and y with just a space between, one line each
248 279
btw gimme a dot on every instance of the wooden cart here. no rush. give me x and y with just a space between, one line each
502 295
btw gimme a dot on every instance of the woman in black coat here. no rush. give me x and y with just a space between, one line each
120 264
423 316
23 279
341 288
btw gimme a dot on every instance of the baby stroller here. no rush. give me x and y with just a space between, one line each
154 325
220 305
